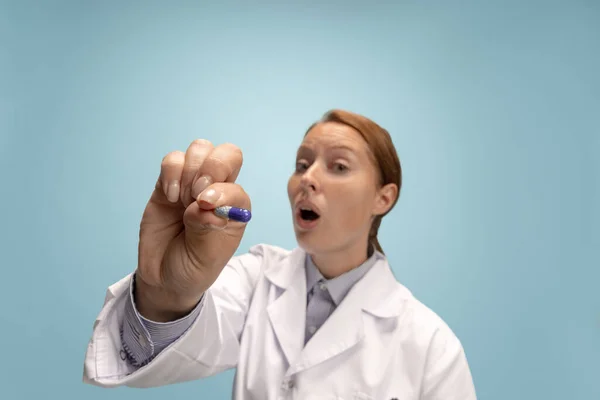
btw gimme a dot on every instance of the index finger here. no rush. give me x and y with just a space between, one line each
223 164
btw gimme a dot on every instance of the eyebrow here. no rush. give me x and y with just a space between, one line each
334 147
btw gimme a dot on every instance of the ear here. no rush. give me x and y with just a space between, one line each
385 198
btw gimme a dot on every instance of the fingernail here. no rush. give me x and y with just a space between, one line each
202 183
210 196
173 191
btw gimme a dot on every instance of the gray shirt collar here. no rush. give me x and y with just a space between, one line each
339 286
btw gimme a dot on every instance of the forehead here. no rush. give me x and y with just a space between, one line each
334 134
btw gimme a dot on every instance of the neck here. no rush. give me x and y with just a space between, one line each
335 263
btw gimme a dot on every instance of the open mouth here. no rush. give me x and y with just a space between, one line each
307 214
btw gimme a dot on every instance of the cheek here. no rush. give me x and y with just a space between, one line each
292 187
353 206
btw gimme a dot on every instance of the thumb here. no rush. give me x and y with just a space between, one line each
200 216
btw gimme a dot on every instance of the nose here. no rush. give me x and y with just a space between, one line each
309 179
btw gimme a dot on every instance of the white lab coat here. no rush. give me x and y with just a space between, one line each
380 343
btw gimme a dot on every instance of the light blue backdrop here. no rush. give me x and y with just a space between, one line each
494 108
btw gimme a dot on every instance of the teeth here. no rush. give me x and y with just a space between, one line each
305 209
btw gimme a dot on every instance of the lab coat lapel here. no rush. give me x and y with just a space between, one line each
376 293
287 313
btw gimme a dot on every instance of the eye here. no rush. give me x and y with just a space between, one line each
301 166
339 167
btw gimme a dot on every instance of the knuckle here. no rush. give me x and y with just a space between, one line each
233 149
173 158
226 155
217 164
201 142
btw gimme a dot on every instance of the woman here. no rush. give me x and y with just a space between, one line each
326 320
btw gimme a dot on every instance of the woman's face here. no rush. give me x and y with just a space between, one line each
334 191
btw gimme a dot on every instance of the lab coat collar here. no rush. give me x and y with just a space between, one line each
339 286
380 282
283 271
287 313
377 293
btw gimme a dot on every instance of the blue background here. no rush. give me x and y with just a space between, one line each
494 108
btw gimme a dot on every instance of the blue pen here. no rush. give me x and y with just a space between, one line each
234 213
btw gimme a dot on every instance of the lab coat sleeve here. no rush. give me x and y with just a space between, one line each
447 375
211 344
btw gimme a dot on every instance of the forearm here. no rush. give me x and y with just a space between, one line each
159 305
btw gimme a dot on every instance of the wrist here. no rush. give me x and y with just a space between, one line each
159 305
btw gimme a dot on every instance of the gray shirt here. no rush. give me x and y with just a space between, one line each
143 339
